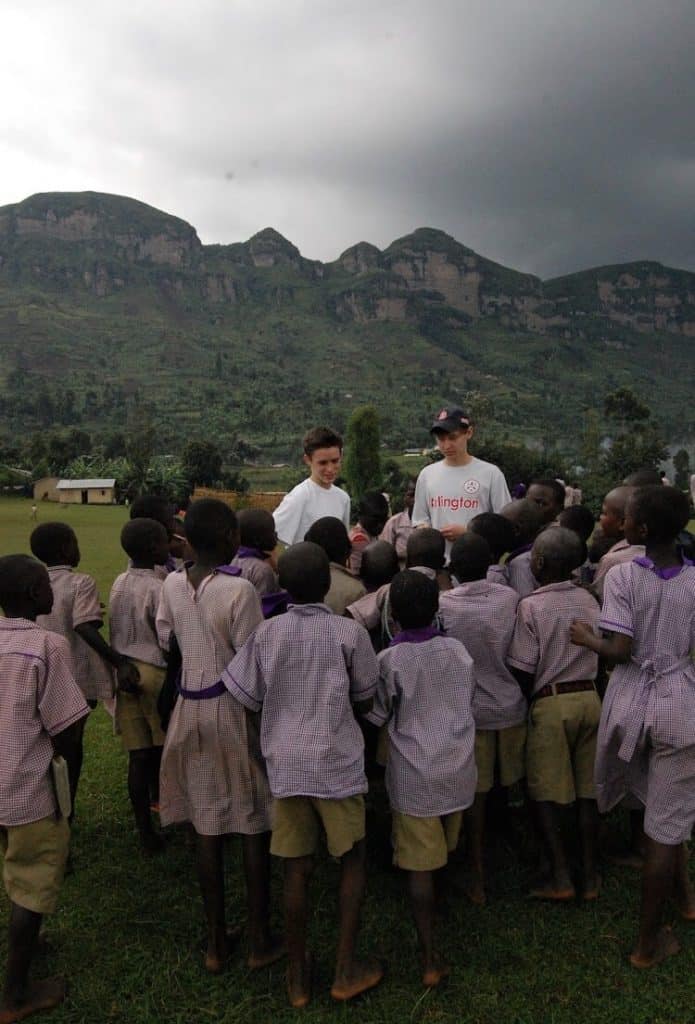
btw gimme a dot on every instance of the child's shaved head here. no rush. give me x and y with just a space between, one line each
54 544
497 530
379 564
304 571
556 553
526 517
470 558
414 599
425 547
330 534
257 529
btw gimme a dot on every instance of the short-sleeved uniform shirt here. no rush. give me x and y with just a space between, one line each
133 607
617 555
425 695
396 531
76 601
212 770
345 589
541 643
519 575
306 503
305 669
39 698
455 494
258 571
482 615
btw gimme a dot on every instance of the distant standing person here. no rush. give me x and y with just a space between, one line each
317 496
448 494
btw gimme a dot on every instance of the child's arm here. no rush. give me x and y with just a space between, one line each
614 648
363 671
524 679
127 675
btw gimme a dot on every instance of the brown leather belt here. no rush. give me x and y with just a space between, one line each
552 689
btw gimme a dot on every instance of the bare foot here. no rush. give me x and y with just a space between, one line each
265 957
592 888
299 989
557 894
666 945
41 995
217 955
435 973
362 977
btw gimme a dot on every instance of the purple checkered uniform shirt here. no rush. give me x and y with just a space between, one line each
541 644
482 615
305 669
133 607
424 694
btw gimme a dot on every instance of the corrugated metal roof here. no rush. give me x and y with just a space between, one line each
84 485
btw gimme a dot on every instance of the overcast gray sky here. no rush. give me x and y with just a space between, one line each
550 135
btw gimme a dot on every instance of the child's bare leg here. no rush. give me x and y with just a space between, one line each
139 792
587 814
209 855
474 819
19 998
654 943
296 902
74 761
352 977
683 887
264 949
155 765
559 886
421 888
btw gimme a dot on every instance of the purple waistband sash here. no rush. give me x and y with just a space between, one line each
216 690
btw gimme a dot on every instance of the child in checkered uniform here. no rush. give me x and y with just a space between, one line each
646 744
41 711
133 607
565 707
482 615
424 694
309 672
213 774
254 556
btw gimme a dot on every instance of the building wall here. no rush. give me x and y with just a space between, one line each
95 496
45 489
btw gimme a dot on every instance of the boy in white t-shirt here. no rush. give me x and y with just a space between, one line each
317 496
450 493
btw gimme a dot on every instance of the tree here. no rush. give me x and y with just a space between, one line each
362 463
202 463
139 450
681 465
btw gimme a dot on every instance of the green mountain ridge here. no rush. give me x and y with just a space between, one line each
109 307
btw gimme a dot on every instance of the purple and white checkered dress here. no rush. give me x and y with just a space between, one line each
482 615
212 773
646 740
306 669
424 693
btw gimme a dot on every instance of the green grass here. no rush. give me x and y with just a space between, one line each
127 930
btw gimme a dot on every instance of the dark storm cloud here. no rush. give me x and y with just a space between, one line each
547 135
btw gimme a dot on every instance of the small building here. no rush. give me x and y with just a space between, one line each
46 489
86 492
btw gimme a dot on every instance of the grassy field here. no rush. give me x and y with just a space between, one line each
128 929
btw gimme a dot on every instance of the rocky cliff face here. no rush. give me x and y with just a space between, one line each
103 243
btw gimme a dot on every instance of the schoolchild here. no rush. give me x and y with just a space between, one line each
379 566
77 615
565 707
41 714
482 615
399 527
317 496
526 517
549 495
133 605
424 696
501 538
330 534
372 511
213 774
612 523
425 551
308 673
154 506
254 556
646 743
580 519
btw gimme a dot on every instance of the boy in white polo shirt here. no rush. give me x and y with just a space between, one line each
448 494
317 496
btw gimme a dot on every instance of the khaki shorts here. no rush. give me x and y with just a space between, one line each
424 844
137 721
298 821
561 747
504 748
34 862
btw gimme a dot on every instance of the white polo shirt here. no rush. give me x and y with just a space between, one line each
446 495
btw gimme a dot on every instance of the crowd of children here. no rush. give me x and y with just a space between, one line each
255 696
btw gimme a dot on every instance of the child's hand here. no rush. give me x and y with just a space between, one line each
128 677
581 633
